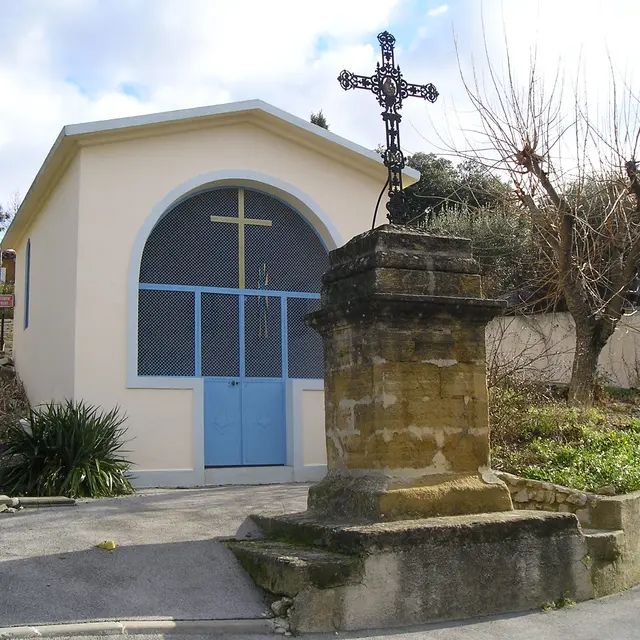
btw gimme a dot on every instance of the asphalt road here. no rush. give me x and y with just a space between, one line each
168 564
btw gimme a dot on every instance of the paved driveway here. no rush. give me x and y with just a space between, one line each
167 563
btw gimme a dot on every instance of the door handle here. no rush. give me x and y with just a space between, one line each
234 383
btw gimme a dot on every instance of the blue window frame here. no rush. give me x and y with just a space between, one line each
27 282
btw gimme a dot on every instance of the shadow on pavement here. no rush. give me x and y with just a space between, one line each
189 580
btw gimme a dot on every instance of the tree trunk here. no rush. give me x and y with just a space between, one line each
585 364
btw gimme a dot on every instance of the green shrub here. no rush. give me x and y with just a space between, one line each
522 413
601 459
71 449
536 435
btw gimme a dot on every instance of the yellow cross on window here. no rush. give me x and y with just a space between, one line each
241 221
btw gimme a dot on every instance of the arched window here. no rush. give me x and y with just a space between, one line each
27 282
205 272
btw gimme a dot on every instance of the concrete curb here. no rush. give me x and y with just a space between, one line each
52 501
132 627
36 502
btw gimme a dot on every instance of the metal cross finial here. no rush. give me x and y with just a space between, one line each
390 88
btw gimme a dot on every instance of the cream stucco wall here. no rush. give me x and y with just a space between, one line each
44 352
122 182
314 447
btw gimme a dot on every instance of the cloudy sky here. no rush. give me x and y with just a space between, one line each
69 61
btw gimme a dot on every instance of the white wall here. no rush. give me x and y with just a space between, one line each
541 347
44 352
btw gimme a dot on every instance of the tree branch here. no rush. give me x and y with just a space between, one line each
634 180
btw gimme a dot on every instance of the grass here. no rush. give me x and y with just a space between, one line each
563 603
536 435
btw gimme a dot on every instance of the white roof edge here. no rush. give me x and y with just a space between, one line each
220 109
102 126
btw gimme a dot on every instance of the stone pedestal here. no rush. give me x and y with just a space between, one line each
403 324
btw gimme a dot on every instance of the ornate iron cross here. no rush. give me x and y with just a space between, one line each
390 88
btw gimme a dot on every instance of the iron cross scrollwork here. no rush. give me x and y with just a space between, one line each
390 88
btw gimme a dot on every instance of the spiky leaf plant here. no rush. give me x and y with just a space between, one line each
70 449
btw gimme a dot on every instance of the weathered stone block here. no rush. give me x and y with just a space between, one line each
521 496
390 280
467 452
418 329
577 498
419 571
401 248
284 569
385 498
463 380
604 544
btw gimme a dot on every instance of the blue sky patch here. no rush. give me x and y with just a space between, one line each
134 89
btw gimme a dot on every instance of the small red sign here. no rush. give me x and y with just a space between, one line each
6 300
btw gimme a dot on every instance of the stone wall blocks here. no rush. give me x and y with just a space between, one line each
510 479
467 453
521 496
577 498
583 516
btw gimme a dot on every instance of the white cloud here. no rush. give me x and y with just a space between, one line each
67 61
438 11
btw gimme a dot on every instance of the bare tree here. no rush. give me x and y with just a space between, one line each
523 348
9 210
14 203
577 176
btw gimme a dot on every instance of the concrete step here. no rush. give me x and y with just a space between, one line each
286 569
604 544
359 538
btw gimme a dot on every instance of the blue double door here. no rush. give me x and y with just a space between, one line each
243 362
244 423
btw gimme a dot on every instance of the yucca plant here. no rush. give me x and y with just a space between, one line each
71 449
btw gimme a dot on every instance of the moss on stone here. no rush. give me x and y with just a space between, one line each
283 568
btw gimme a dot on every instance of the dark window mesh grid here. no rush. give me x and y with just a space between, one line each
220 335
262 337
304 345
288 255
166 333
187 248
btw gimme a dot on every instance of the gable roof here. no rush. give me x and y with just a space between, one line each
76 135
